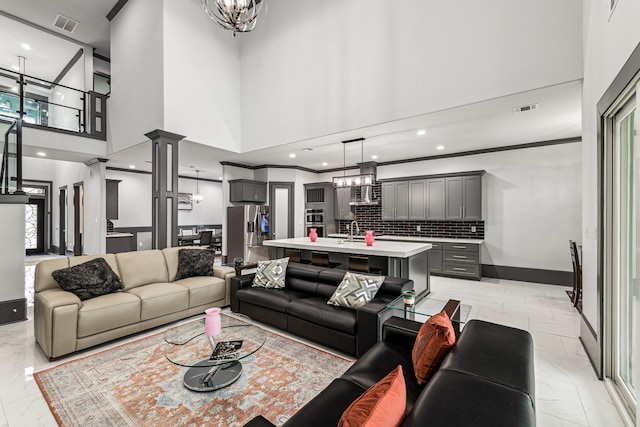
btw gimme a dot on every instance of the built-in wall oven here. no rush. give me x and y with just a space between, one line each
314 218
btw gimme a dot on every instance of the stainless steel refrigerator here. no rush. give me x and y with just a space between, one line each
247 228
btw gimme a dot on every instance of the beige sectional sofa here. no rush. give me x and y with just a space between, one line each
151 297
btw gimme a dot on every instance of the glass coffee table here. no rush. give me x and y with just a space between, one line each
187 345
425 307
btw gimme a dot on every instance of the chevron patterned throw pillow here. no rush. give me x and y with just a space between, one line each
271 274
356 290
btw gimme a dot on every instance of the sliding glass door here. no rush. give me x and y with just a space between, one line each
622 249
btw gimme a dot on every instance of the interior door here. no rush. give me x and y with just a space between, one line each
281 201
34 226
77 219
62 224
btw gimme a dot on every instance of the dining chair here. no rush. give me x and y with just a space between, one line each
322 259
577 274
205 238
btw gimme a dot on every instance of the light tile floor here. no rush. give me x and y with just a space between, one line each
567 390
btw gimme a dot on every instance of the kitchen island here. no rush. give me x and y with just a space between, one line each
398 259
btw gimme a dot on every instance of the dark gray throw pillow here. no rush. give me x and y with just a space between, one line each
88 280
194 262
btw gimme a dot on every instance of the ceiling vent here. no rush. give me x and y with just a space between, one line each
525 108
65 23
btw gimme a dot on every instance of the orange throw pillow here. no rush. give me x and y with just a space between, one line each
383 405
434 340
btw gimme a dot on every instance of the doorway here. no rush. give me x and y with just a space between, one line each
34 217
78 214
281 201
62 223
621 254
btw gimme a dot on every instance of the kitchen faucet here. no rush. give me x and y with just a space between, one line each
351 229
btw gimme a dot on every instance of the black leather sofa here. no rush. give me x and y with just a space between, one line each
487 379
301 307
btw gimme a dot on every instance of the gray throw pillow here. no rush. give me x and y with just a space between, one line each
271 274
194 262
356 290
88 280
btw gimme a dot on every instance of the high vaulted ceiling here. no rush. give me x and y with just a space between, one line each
482 125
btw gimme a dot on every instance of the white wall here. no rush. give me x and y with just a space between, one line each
313 68
201 77
12 259
134 201
136 104
210 210
68 173
608 43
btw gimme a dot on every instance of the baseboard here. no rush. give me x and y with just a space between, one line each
536 275
13 311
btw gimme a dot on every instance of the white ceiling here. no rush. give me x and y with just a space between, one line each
487 124
46 57
482 125
93 28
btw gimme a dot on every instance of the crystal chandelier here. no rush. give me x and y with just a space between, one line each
197 197
234 15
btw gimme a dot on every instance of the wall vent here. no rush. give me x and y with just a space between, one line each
65 23
525 108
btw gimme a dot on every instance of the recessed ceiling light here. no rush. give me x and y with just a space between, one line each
375 156
421 132
41 154
132 166
14 89
325 164
292 155
220 178
440 147
15 67
25 46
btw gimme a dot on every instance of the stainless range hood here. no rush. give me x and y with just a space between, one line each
365 190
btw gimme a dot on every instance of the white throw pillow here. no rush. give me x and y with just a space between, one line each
271 274
356 290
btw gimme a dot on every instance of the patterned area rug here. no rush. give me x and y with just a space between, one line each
135 385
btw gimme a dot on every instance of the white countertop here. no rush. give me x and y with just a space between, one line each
412 239
379 248
115 234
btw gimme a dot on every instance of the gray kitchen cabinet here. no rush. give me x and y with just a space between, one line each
461 260
435 199
342 208
244 190
395 200
435 257
418 199
463 195
454 197
112 198
472 208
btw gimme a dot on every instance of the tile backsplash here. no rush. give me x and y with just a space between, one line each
370 218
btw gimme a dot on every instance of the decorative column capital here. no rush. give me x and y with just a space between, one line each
163 134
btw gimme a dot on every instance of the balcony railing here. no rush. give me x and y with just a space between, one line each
54 106
11 167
